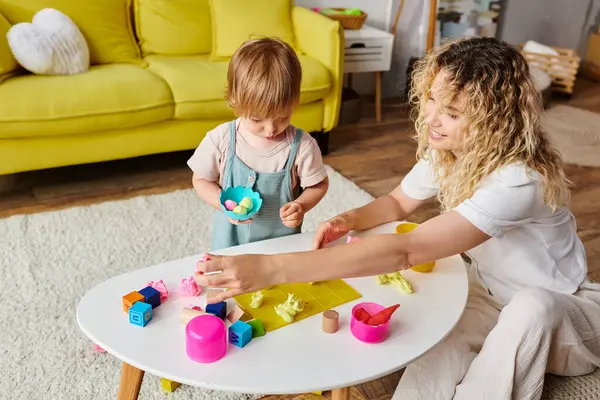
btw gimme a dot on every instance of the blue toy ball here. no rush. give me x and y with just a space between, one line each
237 194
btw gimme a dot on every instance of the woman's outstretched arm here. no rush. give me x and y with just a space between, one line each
443 236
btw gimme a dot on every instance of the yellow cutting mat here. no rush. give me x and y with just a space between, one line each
318 297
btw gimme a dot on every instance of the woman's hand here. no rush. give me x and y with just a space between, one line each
333 229
238 274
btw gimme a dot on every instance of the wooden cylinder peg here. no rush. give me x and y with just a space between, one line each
187 314
330 321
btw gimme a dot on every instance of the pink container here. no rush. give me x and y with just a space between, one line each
367 333
206 338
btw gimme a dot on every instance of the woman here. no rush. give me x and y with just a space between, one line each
503 197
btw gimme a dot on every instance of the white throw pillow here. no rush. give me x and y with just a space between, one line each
51 45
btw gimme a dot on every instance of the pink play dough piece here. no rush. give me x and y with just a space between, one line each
98 349
204 258
352 239
189 287
230 205
162 289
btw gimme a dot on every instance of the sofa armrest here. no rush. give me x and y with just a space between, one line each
323 39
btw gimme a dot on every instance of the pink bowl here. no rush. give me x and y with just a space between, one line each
367 333
206 338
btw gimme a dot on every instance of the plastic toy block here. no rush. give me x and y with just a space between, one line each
218 309
130 299
238 314
140 314
257 327
151 296
168 385
240 333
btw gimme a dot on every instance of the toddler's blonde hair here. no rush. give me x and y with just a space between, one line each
502 118
263 79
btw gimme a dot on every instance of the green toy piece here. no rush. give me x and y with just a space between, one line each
257 299
383 279
258 328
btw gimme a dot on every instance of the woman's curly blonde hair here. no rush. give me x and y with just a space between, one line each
502 118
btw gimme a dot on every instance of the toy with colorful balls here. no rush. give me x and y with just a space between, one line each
333 11
240 203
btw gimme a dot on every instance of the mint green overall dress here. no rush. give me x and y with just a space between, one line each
274 188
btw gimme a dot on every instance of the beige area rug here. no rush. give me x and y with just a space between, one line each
575 133
48 261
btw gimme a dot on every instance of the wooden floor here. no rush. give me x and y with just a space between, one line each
375 156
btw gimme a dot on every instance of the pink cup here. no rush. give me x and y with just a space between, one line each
367 333
206 338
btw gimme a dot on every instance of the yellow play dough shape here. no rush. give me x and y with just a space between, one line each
240 210
406 227
246 202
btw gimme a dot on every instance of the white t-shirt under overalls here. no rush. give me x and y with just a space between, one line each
530 246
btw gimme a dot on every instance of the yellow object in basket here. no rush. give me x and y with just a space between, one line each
405 228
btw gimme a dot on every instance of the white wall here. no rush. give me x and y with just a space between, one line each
558 23
410 38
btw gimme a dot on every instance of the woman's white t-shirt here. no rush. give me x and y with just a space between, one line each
530 246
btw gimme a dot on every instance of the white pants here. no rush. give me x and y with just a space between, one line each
504 353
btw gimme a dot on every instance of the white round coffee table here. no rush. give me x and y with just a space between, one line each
298 358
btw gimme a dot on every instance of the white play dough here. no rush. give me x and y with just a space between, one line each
51 45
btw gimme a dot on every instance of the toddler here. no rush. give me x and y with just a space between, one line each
261 149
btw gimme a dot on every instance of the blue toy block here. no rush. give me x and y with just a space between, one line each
140 314
240 333
218 309
151 296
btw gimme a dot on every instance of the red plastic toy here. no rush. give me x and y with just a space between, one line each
362 315
383 316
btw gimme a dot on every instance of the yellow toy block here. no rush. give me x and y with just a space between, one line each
169 386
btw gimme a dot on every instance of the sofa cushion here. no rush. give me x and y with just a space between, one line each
106 97
173 27
198 84
8 64
104 23
235 21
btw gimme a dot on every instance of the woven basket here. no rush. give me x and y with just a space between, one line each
348 21
561 68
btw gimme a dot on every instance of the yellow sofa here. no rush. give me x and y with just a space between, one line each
152 87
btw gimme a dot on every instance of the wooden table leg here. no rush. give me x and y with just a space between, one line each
131 382
378 96
340 394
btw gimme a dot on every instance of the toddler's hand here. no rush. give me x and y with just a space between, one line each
292 214
236 222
